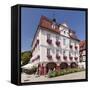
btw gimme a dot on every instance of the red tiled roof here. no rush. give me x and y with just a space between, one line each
46 23
82 44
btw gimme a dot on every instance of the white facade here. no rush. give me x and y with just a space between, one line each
54 47
64 48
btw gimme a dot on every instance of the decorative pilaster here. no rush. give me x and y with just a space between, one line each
39 69
45 70
42 69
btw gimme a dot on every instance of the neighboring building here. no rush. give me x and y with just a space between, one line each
54 47
83 53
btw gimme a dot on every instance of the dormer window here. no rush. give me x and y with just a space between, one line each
53 26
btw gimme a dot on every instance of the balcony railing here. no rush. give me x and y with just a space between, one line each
58 43
57 56
49 56
65 57
49 41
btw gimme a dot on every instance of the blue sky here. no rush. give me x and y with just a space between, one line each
30 18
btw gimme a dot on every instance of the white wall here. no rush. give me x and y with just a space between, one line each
44 45
5 45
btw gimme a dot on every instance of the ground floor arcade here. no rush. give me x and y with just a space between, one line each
44 68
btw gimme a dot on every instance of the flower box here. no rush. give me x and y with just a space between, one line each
57 43
49 56
49 41
76 58
65 57
71 46
71 58
76 47
57 56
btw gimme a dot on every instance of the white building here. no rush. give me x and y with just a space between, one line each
55 46
83 54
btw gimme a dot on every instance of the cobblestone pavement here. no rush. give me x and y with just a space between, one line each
35 78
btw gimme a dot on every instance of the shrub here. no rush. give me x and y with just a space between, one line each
52 74
63 72
58 73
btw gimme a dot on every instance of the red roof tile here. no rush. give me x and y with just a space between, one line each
46 23
82 44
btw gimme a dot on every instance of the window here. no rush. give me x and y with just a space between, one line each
84 58
60 51
48 36
57 41
57 52
75 54
71 42
70 54
64 41
57 38
64 55
64 52
48 51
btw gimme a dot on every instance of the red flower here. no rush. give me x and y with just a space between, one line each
65 57
71 58
76 47
49 56
70 46
49 41
57 43
76 58
57 56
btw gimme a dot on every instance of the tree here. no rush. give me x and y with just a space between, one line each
25 57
